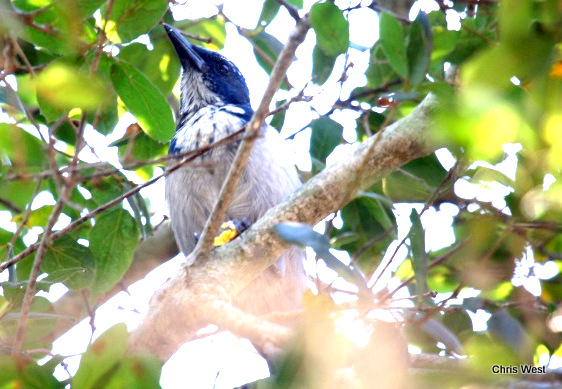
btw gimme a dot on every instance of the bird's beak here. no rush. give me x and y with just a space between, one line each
186 51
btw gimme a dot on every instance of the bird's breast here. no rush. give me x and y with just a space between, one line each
205 127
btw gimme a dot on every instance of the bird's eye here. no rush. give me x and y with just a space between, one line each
224 69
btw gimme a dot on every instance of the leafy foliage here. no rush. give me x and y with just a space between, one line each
71 68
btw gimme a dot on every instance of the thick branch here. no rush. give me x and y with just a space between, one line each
179 308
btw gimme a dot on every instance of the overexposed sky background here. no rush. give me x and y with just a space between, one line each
223 361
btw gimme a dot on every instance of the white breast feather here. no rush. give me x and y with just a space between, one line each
269 177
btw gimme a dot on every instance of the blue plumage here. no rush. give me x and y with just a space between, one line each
215 103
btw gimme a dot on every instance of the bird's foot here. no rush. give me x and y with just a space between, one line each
230 230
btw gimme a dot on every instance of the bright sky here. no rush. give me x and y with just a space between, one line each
223 361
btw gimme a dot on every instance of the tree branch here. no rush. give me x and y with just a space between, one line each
181 307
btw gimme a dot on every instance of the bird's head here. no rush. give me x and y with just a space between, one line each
208 78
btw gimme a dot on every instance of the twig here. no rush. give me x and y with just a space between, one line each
102 37
115 201
30 291
64 196
293 11
197 37
24 220
283 107
22 55
252 129
57 177
370 92
345 104
27 19
450 176
129 166
91 313
439 307
11 206
436 262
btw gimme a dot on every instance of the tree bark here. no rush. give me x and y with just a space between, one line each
199 294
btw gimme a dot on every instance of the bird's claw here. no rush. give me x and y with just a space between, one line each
230 230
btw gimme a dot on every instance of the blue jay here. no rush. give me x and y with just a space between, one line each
214 103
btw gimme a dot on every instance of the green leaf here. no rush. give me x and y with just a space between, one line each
444 41
53 43
63 87
268 12
139 372
214 28
160 65
470 41
141 147
105 190
37 217
486 351
503 290
442 279
379 72
87 7
39 326
22 149
326 135
279 118
30 376
112 241
49 111
109 115
418 48
26 91
144 101
392 41
484 174
69 262
373 224
140 211
102 356
322 65
58 27
331 27
31 5
5 238
419 256
416 181
131 18
266 48
18 192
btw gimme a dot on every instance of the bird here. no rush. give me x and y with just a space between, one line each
214 103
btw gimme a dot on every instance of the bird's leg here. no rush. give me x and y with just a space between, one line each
230 230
